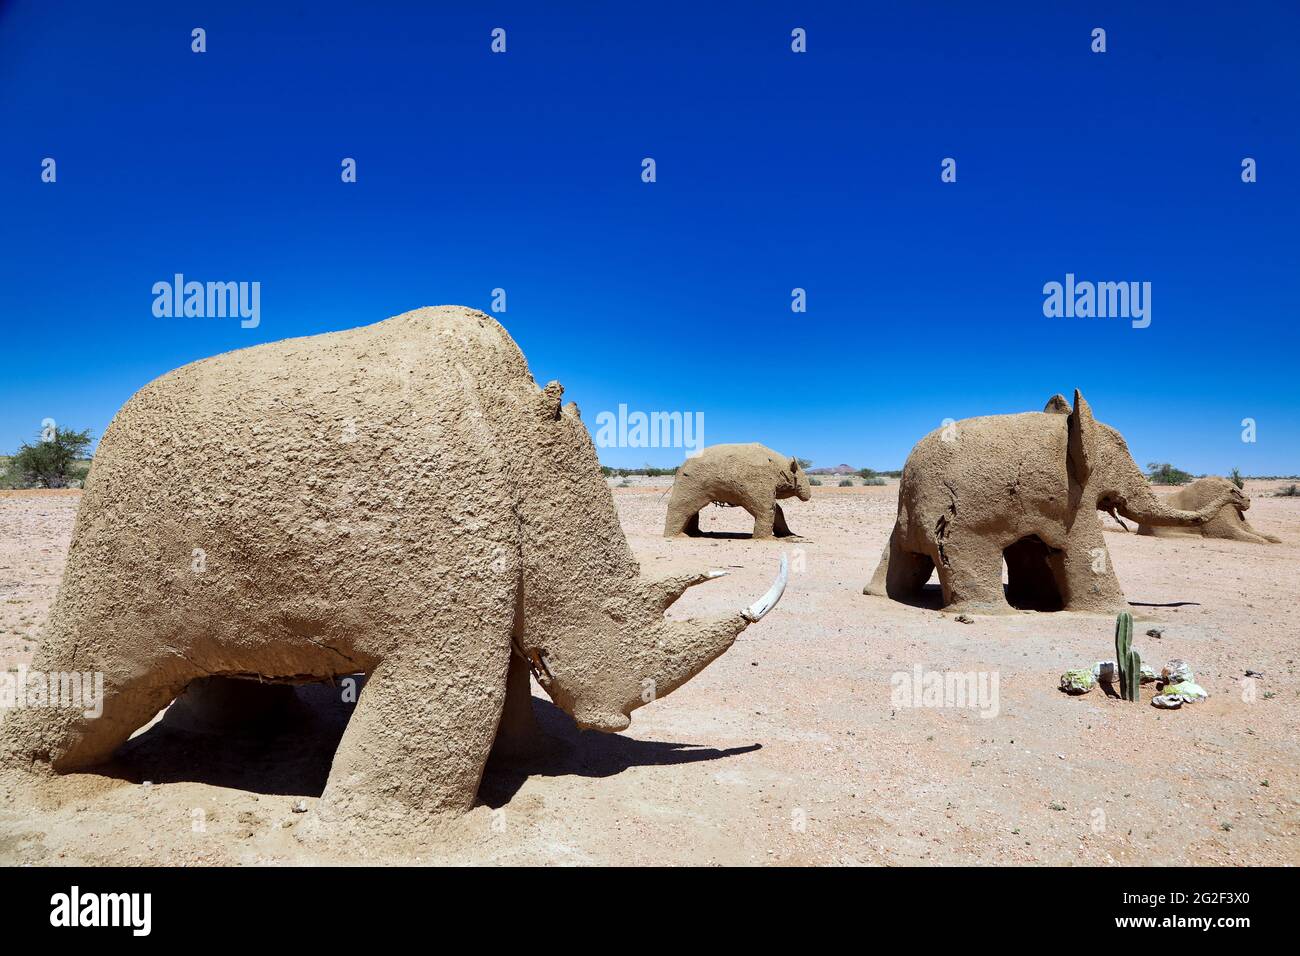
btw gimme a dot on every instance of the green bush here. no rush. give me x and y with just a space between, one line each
804 463
816 482
867 473
874 480
1290 491
49 463
1235 478
846 482
1163 473
648 471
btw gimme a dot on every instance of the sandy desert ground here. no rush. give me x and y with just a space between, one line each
788 749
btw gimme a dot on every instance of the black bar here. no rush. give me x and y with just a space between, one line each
299 903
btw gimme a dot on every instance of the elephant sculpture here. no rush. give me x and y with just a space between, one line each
1230 522
751 476
399 500
1026 489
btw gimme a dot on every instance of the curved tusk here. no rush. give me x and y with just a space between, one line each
709 576
768 601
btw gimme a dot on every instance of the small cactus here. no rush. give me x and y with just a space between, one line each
1127 659
1133 675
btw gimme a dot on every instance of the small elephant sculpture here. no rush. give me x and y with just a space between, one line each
298 510
750 476
1026 489
1230 522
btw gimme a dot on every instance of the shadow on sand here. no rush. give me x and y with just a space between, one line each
568 751
288 750
929 598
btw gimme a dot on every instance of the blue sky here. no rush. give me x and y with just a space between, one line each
775 170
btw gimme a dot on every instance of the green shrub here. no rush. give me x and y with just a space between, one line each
804 463
816 482
874 480
867 473
49 463
1235 478
648 471
846 483
1163 473
1290 491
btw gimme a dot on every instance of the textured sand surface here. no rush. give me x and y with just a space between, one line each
788 748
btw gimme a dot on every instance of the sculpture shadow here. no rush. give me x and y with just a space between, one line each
928 597
288 751
567 751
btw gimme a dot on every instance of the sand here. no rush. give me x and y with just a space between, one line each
793 747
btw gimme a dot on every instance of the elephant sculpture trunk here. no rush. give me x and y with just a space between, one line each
1229 523
1145 507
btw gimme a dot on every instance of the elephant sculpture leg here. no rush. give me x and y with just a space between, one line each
1090 580
66 739
419 737
901 574
684 514
764 519
970 571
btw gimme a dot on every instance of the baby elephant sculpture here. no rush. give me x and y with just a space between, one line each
1230 522
299 510
1025 488
750 476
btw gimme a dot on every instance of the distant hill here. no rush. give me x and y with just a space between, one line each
837 470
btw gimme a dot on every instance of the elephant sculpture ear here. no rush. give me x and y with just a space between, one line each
1083 439
1057 405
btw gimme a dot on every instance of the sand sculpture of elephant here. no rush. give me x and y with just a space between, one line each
1026 489
750 476
1230 521
399 500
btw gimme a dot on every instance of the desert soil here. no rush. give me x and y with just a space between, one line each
791 748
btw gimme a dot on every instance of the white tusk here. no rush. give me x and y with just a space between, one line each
709 576
768 601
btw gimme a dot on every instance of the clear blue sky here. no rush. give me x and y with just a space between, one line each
775 170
